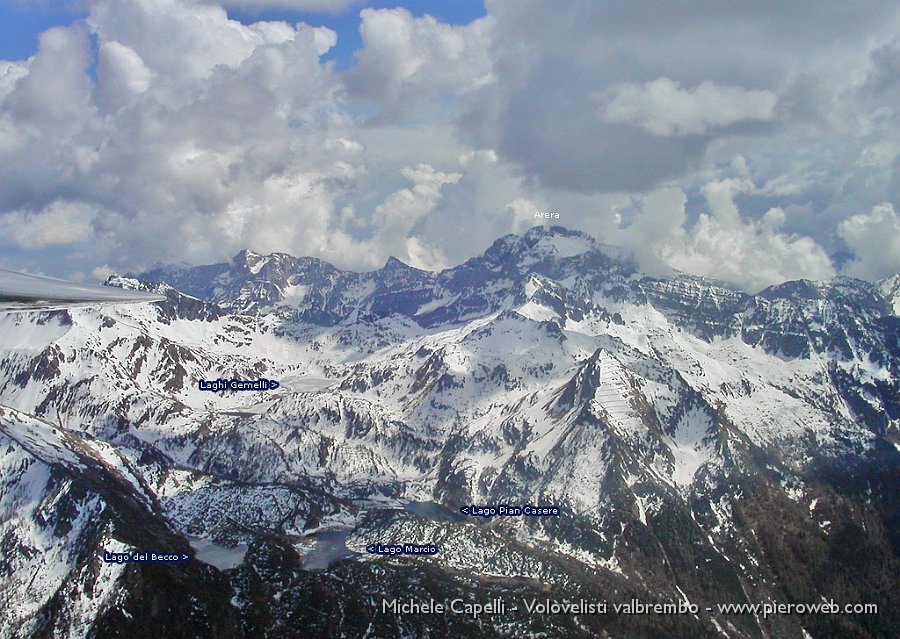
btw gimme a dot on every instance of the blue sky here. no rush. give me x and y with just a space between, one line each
346 25
22 22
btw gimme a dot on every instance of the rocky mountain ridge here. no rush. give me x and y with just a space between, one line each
702 444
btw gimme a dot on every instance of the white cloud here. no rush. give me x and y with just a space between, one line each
102 272
10 73
662 107
753 256
721 244
425 256
312 6
874 238
56 90
407 60
401 211
489 200
196 136
58 224
182 41
228 137
523 210
122 75
782 94
406 206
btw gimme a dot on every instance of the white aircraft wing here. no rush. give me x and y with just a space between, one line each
22 292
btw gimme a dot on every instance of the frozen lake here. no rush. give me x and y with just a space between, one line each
306 383
433 511
222 557
330 548
331 544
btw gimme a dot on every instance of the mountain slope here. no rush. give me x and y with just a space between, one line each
701 444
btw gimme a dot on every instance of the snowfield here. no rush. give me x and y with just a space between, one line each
546 371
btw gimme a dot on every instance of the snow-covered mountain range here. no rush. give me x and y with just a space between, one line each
702 445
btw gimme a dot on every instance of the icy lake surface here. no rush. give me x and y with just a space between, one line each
432 511
330 548
222 557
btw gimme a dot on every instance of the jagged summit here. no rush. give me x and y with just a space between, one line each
314 291
688 432
247 258
396 264
552 251
318 291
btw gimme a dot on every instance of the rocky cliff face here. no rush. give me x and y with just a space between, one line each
702 445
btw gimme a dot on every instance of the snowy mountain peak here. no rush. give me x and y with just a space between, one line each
539 243
687 432
394 264
250 261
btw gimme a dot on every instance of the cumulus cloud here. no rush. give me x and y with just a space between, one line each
312 6
58 224
663 107
123 75
231 136
425 256
874 238
55 92
488 200
405 207
406 60
398 215
721 243
173 132
679 91
198 38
